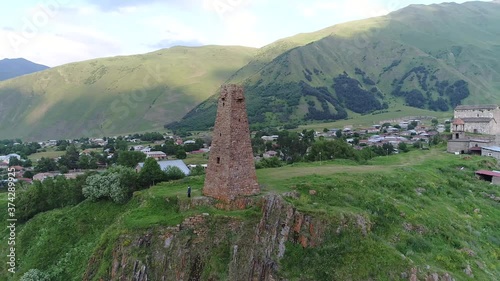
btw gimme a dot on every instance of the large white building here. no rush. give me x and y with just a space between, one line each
479 119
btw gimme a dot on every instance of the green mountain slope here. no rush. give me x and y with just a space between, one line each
431 57
115 95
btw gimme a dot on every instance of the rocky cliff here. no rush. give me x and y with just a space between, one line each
208 247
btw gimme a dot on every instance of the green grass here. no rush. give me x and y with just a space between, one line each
47 154
423 208
196 159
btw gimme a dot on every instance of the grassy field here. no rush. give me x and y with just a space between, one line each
423 209
365 121
47 154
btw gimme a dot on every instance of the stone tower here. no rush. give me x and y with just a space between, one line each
458 129
231 168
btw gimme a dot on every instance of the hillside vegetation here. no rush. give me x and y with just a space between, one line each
115 95
429 57
423 212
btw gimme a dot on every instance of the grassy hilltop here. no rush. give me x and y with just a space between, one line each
424 210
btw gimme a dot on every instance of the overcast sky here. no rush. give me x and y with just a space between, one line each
55 32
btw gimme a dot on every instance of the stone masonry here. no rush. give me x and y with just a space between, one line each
231 169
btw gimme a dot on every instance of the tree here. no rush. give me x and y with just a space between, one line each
45 165
327 150
170 148
338 134
130 158
99 186
291 146
128 177
181 154
403 147
173 173
13 161
28 175
70 158
121 144
151 173
197 171
87 162
27 163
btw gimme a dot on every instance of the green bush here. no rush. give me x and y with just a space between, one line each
173 173
273 162
197 171
100 186
116 184
34 275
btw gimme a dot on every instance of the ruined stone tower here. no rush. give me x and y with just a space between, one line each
231 168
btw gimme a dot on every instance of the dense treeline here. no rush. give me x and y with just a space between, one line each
294 147
18 147
48 195
350 93
324 97
457 92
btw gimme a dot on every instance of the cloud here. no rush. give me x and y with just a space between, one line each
173 33
349 10
167 43
56 49
113 5
241 29
129 5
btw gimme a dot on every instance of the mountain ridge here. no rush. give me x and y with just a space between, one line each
116 95
11 68
430 57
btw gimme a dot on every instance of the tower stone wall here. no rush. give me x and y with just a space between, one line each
231 169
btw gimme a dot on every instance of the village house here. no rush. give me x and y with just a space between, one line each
100 142
270 154
138 147
168 163
157 155
51 143
86 152
491 176
6 158
460 143
270 138
493 151
479 119
43 176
